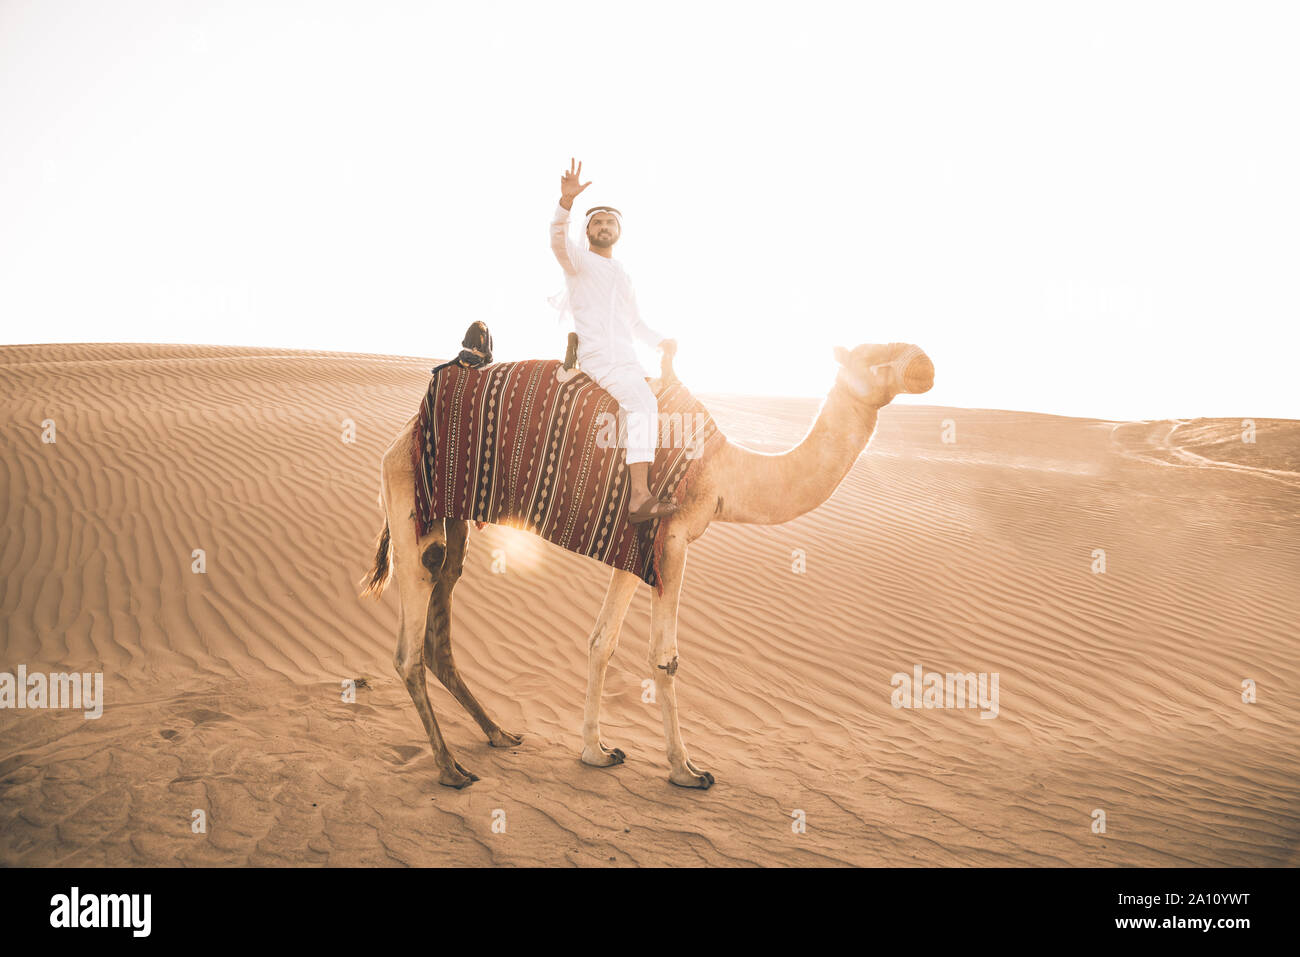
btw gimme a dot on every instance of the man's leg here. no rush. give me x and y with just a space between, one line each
628 387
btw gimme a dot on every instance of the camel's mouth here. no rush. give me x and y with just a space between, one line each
912 369
918 376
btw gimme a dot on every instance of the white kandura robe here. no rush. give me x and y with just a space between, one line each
599 294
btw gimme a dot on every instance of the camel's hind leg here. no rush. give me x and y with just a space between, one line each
437 635
600 648
413 559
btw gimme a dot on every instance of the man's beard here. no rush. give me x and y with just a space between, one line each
603 242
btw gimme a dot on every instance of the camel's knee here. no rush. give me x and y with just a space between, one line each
668 668
663 648
663 662
602 641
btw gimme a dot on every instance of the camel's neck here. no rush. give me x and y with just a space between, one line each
767 489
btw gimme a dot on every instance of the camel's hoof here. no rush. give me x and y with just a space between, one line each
695 778
456 777
501 738
605 758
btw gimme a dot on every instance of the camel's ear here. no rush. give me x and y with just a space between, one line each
841 355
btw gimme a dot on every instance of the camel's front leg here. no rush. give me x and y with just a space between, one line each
663 658
600 648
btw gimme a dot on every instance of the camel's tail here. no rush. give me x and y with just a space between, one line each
374 584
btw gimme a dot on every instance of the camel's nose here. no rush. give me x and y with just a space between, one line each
919 375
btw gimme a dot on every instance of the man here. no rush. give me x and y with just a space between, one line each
606 319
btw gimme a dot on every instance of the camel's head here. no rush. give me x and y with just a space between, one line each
880 372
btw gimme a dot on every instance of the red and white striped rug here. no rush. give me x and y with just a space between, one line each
510 444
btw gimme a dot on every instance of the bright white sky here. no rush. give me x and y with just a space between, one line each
1088 209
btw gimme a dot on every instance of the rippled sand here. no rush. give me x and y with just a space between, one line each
1119 691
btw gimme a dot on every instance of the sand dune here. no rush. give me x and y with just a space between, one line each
1119 691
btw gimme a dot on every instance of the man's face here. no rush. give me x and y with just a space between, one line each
603 230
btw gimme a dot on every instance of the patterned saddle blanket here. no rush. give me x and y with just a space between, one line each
512 444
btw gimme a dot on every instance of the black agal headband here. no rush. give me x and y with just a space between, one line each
602 209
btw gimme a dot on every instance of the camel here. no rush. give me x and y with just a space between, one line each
734 484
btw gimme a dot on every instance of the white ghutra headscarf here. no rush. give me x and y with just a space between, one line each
562 301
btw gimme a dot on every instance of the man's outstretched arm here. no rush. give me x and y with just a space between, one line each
647 334
566 251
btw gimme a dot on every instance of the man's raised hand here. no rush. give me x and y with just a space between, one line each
569 185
